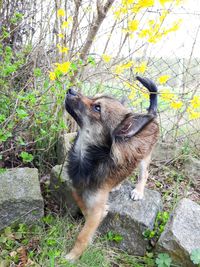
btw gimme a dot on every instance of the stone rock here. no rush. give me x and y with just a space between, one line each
165 151
64 143
192 169
130 218
20 196
61 190
182 233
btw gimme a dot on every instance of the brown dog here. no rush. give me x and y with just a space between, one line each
111 143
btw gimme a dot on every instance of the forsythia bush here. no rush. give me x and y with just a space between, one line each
152 31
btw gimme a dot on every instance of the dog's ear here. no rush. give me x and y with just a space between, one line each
132 125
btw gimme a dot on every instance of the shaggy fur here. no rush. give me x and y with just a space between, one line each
111 143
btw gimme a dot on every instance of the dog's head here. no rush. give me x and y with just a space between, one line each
104 115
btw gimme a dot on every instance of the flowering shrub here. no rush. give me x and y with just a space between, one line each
33 94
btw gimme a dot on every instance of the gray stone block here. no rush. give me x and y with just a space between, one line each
192 169
20 196
64 143
182 233
165 151
130 218
61 190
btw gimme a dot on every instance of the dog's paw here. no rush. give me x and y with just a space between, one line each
136 194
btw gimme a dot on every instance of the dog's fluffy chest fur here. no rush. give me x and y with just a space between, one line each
88 164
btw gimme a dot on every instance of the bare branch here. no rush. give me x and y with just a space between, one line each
96 23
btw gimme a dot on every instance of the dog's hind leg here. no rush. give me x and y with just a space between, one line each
138 192
95 213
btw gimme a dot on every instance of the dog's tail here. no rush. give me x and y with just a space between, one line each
153 94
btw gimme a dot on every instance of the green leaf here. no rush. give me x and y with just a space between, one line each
117 238
26 157
2 170
51 242
114 237
37 72
73 66
2 118
21 141
8 231
3 239
163 260
4 136
16 18
21 113
152 234
9 69
91 60
18 236
195 256
48 219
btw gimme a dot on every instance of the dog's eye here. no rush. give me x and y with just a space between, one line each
97 108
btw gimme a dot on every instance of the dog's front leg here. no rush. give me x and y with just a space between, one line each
80 202
94 214
138 192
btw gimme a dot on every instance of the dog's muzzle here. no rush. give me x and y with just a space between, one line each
72 105
71 93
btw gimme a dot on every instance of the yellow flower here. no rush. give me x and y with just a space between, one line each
61 35
127 2
193 115
133 25
146 3
178 2
132 94
167 95
163 2
63 67
65 49
154 37
175 25
195 102
128 64
106 58
61 12
163 15
65 24
59 48
62 49
141 68
118 69
176 104
143 33
121 67
119 12
70 19
163 79
151 22
52 75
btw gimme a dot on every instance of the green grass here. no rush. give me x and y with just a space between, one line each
47 243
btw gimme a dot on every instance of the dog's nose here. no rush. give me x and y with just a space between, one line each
72 92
